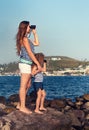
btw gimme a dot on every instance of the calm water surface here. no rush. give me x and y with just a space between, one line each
55 86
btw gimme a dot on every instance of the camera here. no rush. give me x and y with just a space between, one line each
32 26
45 61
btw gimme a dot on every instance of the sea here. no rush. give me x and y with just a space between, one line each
57 87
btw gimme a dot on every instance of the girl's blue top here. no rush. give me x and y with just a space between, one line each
38 77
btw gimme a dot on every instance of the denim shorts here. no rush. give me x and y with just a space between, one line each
38 85
24 68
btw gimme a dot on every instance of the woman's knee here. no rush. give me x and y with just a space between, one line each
24 79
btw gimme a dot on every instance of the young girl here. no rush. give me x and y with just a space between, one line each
38 83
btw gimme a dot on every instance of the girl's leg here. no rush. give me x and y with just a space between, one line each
22 92
43 95
38 102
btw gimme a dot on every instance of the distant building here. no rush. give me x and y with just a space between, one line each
55 58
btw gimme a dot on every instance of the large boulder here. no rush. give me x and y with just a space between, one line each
50 120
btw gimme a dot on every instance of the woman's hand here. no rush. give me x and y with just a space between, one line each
34 31
39 68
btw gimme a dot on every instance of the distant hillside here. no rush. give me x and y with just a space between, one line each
54 63
62 62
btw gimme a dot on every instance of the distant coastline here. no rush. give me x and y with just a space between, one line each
56 66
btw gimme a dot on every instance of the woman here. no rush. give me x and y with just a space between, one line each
25 49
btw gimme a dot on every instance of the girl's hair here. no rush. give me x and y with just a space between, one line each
40 58
21 34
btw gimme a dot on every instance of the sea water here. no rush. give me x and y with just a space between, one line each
56 86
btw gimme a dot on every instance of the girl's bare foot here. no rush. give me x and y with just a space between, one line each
43 109
25 110
39 112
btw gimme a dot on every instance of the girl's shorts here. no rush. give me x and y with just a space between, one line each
24 68
38 85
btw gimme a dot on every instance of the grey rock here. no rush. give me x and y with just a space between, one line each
50 120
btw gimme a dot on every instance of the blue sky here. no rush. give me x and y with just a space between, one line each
62 26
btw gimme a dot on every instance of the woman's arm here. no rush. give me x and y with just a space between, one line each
34 70
36 41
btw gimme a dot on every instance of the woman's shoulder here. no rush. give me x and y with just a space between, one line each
25 40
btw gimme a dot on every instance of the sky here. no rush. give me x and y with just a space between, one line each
62 27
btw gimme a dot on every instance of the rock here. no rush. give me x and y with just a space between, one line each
50 120
2 106
79 114
58 104
6 126
87 117
47 103
78 104
75 121
13 104
79 99
70 103
3 100
86 97
9 109
62 114
67 108
86 106
86 127
2 113
13 98
32 97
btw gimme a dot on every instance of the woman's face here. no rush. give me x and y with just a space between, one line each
28 29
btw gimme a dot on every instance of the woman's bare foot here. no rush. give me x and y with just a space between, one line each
39 112
25 110
43 109
18 106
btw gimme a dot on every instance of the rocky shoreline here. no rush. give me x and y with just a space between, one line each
61 114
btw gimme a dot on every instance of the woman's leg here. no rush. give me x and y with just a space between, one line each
22 92
27 88
43 95
38 102
28 84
